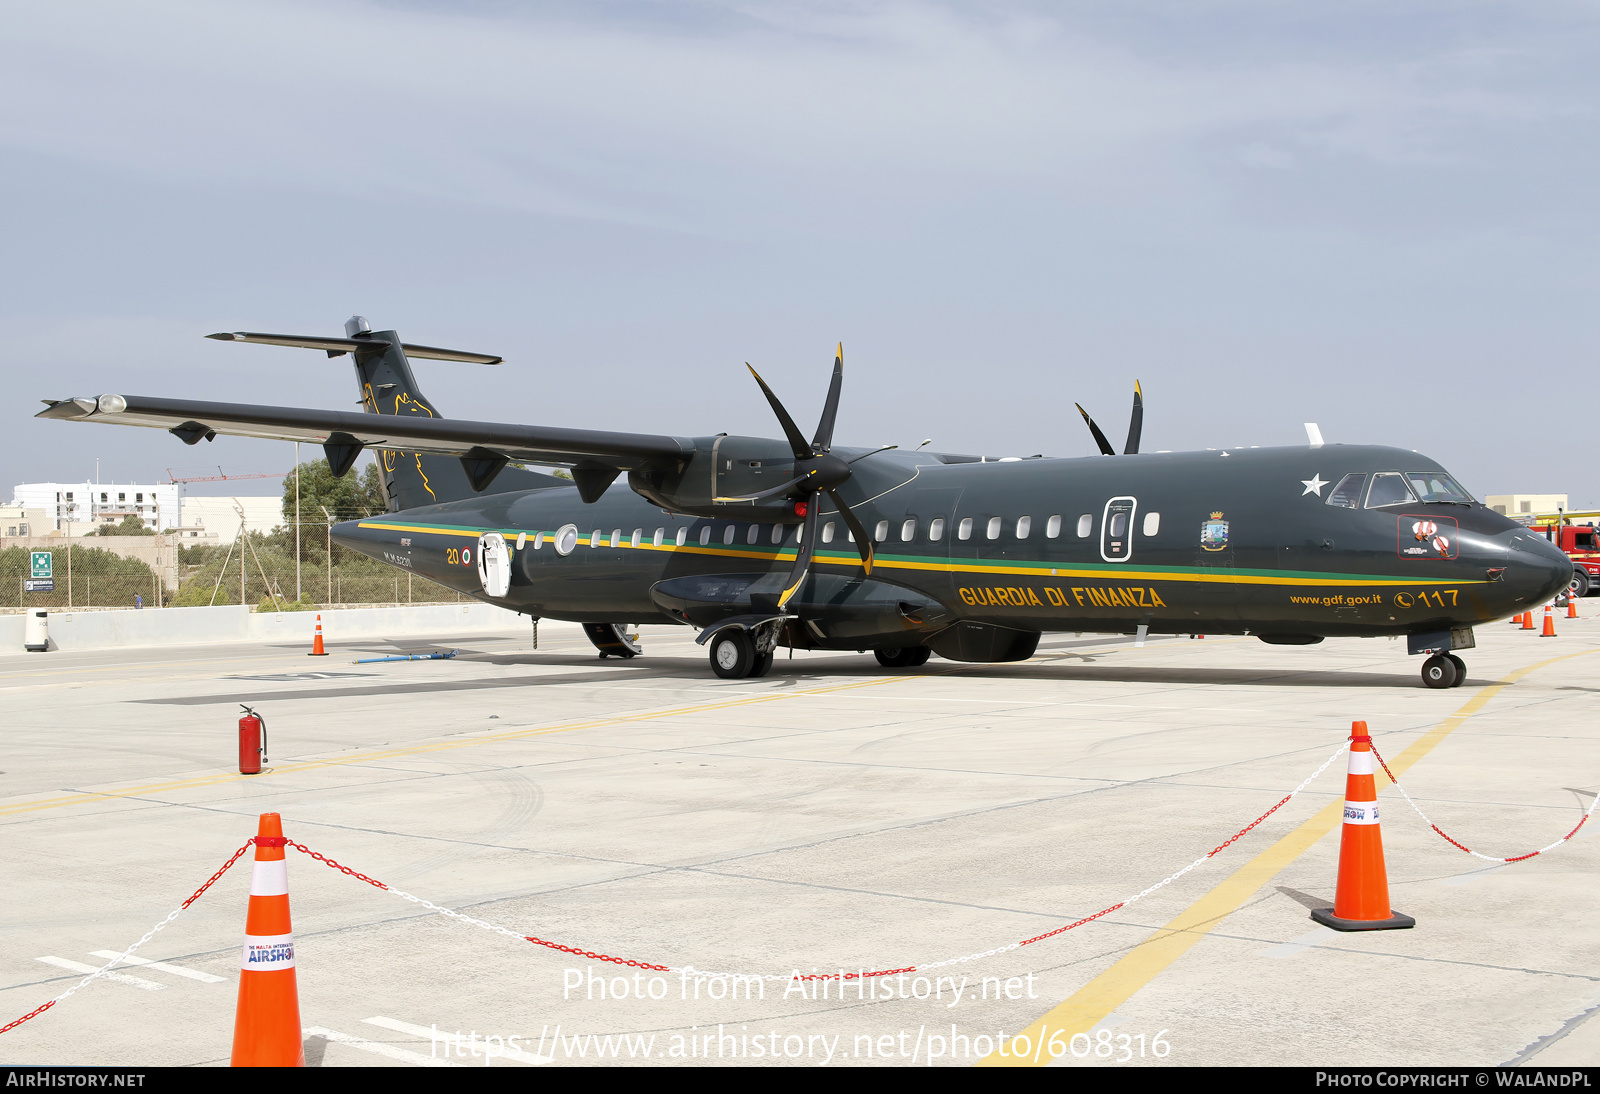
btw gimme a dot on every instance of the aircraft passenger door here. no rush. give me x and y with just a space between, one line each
1116 529
494 564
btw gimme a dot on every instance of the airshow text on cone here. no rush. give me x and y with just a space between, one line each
1361 900
266 1029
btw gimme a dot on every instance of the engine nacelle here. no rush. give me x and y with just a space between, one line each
724 466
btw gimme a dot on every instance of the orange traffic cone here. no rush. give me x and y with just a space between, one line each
1516 620
1572 605
1549 624
1527 620
1361 901
266 1027
316 643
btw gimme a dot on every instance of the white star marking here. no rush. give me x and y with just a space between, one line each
1313 485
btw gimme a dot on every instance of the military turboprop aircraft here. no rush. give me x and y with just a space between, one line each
795 542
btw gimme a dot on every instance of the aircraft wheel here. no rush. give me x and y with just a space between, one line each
761 665
732 654
902 657
1439 671
1461 670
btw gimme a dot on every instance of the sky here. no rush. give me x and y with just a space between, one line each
1378 217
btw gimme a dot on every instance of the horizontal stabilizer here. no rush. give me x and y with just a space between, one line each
336 346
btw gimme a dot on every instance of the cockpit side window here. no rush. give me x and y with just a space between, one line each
1347 494
1437 486
1388 488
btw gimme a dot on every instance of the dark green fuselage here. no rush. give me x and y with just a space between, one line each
1243 541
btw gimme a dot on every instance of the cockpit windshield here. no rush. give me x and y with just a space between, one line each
1436 486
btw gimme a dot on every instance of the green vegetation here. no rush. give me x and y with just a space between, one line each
96 578
130 526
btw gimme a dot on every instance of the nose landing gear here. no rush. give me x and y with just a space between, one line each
1444 670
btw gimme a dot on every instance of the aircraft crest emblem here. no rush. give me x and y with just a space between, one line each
1214 533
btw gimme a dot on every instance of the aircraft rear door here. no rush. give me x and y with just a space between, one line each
932 512
494 564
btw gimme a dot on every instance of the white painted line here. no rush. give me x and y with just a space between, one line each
377 1048
447 1037
1299 945
175 970
119 977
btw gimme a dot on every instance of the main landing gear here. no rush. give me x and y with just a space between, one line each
735 656
902 657
1444 670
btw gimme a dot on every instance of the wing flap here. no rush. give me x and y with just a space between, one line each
437 436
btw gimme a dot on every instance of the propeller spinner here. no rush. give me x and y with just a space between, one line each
821 472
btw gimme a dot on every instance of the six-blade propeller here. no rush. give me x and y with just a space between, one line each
819 472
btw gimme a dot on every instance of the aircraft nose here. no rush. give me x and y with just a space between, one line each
1537 568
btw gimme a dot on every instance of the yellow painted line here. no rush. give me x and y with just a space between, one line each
80 798
851 560
1102 995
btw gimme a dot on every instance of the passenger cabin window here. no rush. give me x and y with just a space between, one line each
538 541
1024 526
522 540
1085 525
594 538
1052 527
964 529
1388 488
777 533
827 531
705 535
754 534
993 531
908 531
728 534
936 530
682 537
1347 495
881 532
1152 523
616 537
659 538
1436 486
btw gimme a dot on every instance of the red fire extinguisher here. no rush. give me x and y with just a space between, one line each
252 742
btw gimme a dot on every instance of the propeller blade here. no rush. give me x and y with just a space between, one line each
823 441
790 485
797 440
863 541
802 560
1099 437
1136 422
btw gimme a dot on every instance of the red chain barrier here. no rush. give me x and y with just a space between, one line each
1457 843
192 898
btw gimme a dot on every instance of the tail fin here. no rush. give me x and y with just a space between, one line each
411 479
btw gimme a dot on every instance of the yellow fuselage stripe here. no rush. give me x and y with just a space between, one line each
1063 571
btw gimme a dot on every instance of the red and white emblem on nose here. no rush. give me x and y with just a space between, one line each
1422 529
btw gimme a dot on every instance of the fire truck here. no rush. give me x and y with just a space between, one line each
1580 541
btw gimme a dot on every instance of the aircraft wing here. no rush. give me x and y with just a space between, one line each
191 420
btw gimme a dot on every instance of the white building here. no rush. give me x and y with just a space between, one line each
220 516
80 507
